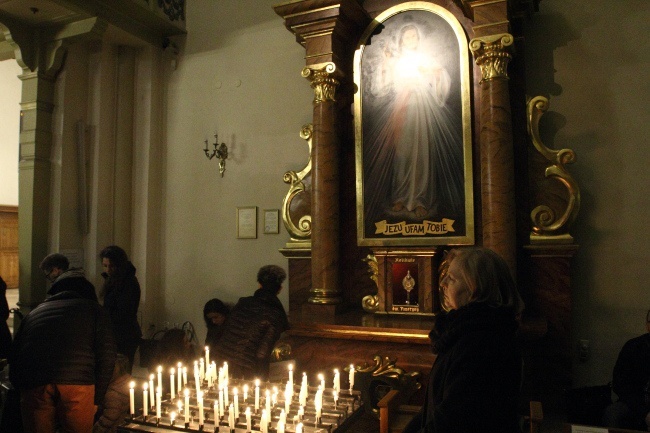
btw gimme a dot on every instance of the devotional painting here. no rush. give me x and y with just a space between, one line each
413 130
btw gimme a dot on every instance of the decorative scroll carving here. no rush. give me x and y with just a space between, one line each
492 55
370 303
376 380
322 81
174 9
547 228
303 231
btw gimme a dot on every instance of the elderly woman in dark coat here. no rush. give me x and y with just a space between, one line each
475 379
121 292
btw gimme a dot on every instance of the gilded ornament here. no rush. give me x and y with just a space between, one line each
322 81
492 56
370 303
301 232
547 227
384 373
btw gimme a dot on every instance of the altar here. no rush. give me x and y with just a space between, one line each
364 261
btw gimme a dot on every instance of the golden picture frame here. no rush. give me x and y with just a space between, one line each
413 129
247 222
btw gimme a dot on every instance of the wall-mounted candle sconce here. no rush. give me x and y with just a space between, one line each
220 151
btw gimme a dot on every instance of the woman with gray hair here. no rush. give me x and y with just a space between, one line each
474 382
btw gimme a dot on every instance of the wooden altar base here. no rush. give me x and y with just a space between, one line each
321 344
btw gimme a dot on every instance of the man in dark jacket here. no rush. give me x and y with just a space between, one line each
254 326
56 268
61 362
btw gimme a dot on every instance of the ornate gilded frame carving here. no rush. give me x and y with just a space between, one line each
301 232
548 228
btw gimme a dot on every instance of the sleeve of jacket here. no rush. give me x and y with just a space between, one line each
105 353
116 405
275 326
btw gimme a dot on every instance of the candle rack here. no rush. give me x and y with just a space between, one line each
335 416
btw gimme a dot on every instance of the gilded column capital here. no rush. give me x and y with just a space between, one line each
492 55
322 81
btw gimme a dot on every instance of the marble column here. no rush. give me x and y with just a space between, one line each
325 288
496 146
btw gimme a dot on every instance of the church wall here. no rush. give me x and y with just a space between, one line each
245 85
10 89
591 59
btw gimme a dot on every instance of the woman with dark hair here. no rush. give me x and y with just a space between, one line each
215 313
474 382
121 293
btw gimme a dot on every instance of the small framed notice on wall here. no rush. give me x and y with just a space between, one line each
247 222
271 221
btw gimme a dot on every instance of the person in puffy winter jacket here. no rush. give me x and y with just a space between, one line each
62 361
116 401
254 326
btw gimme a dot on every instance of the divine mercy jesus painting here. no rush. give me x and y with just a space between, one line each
413 132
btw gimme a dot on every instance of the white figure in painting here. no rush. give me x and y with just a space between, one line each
415 133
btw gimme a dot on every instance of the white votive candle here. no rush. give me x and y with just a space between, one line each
160 376
132 398
172 383
145 396
291 374
179 371
199 398
235 397
152 400
158 399
231 417
187 406
337 380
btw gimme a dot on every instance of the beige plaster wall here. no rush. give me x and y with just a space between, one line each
238 75
592 60
10 89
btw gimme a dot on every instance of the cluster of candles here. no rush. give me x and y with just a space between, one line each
206 373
